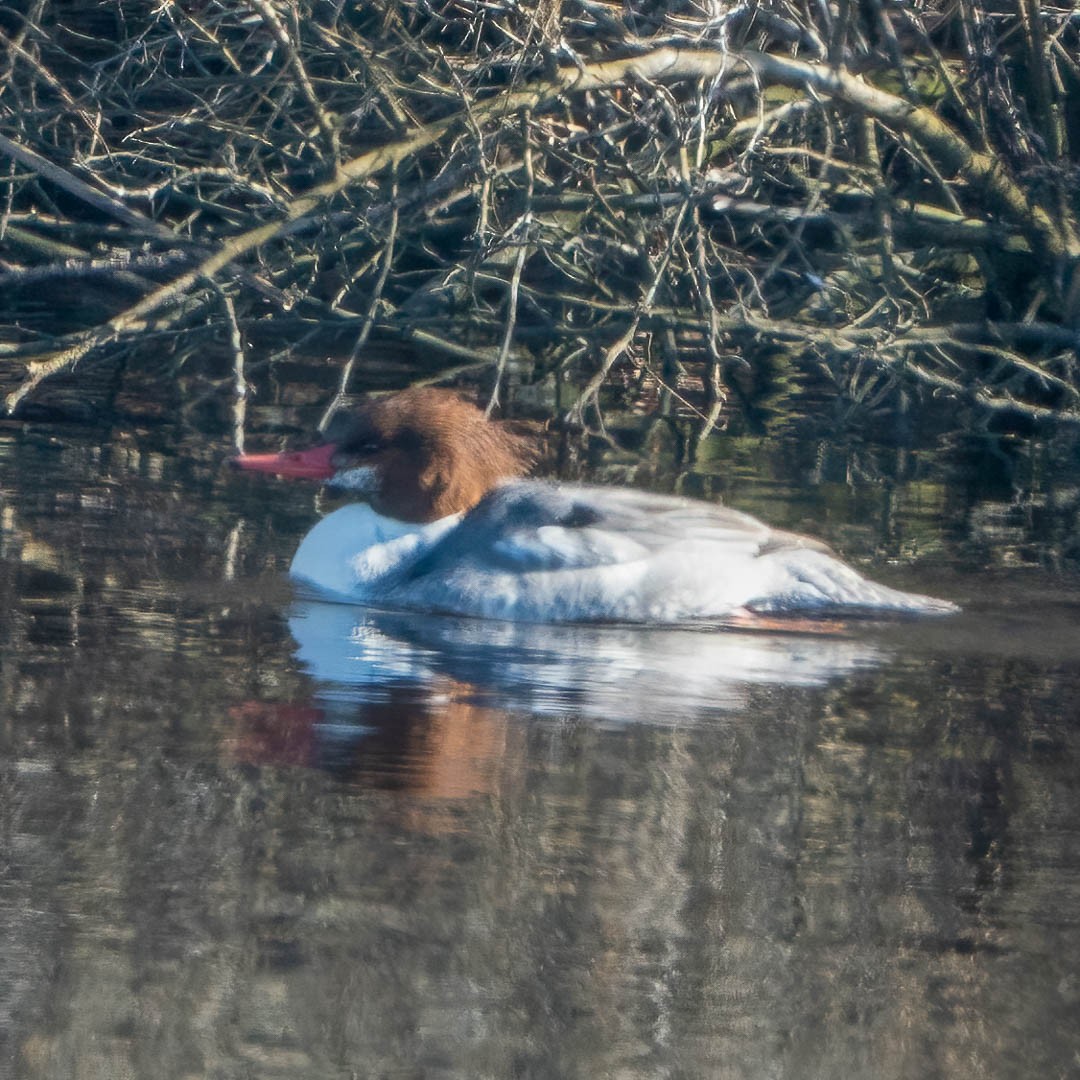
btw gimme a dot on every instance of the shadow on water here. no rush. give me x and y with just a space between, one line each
243 835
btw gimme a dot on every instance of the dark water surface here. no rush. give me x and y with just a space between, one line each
242 836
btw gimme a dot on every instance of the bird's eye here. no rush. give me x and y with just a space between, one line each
370 447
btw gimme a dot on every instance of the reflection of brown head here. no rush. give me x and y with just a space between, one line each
460 748
438 749
465 753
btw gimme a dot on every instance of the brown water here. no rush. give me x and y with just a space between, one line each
244 837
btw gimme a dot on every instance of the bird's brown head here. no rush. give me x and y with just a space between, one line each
416 455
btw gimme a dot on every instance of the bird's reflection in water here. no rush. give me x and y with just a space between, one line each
437 748
434 706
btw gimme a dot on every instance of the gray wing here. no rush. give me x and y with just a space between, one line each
531 525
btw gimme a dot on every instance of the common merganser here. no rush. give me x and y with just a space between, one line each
448 525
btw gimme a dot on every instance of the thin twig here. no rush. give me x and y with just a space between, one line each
521 227
369 319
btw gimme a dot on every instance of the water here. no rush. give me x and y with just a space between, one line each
242 836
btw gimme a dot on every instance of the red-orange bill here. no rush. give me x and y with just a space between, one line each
313 464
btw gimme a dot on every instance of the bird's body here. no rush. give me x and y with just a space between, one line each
451 528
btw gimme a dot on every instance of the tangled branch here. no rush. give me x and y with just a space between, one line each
556 193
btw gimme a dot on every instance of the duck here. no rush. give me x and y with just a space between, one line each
448 521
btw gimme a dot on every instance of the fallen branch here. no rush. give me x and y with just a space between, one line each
608 236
